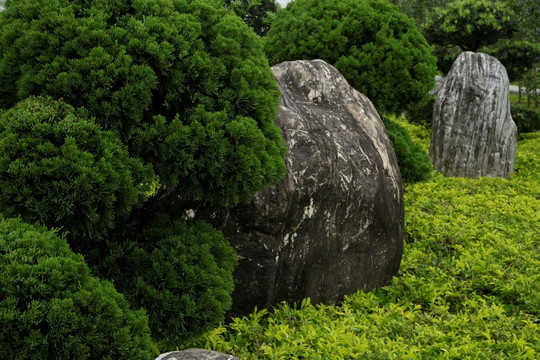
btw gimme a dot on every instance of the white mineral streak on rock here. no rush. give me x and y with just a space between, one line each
309 210
320 232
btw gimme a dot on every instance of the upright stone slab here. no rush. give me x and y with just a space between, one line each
335 223
473 133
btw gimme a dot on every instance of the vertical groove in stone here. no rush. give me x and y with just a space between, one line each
473 133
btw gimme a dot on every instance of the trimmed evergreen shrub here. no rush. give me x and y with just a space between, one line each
59 168
52 308
185 83
423 115
182 87
378 50
413 160
178 270
526 119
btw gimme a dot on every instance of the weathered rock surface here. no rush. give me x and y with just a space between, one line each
473 133
195 354
335 223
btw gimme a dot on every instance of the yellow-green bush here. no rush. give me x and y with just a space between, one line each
468 286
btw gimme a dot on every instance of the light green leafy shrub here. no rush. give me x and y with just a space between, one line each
52 308
468 286
378 50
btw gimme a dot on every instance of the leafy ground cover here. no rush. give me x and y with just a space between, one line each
467 289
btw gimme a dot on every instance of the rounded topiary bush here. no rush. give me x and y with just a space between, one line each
51 308
185 84
378 50
59 168
413 160
179 270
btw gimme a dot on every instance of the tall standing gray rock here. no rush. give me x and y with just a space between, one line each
335 223
473 133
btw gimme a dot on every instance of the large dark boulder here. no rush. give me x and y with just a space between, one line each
473 133
335 223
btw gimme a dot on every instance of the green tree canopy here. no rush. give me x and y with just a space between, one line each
470 24
377 49
258 14
517 57
418 9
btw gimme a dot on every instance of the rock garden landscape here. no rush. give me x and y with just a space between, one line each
234 179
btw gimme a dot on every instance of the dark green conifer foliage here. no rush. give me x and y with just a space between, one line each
258 14
185 87
52 308
377 49
185 83
178 270
59 168
413 161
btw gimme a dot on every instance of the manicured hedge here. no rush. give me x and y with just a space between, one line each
184 83
114 109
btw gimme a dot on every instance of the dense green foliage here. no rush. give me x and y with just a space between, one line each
178 270
377 49
52 308
470 24
526 119
527 13
412 159
177 88
468 286
258 14
423 115
517 57
185 83
59 168
419 10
